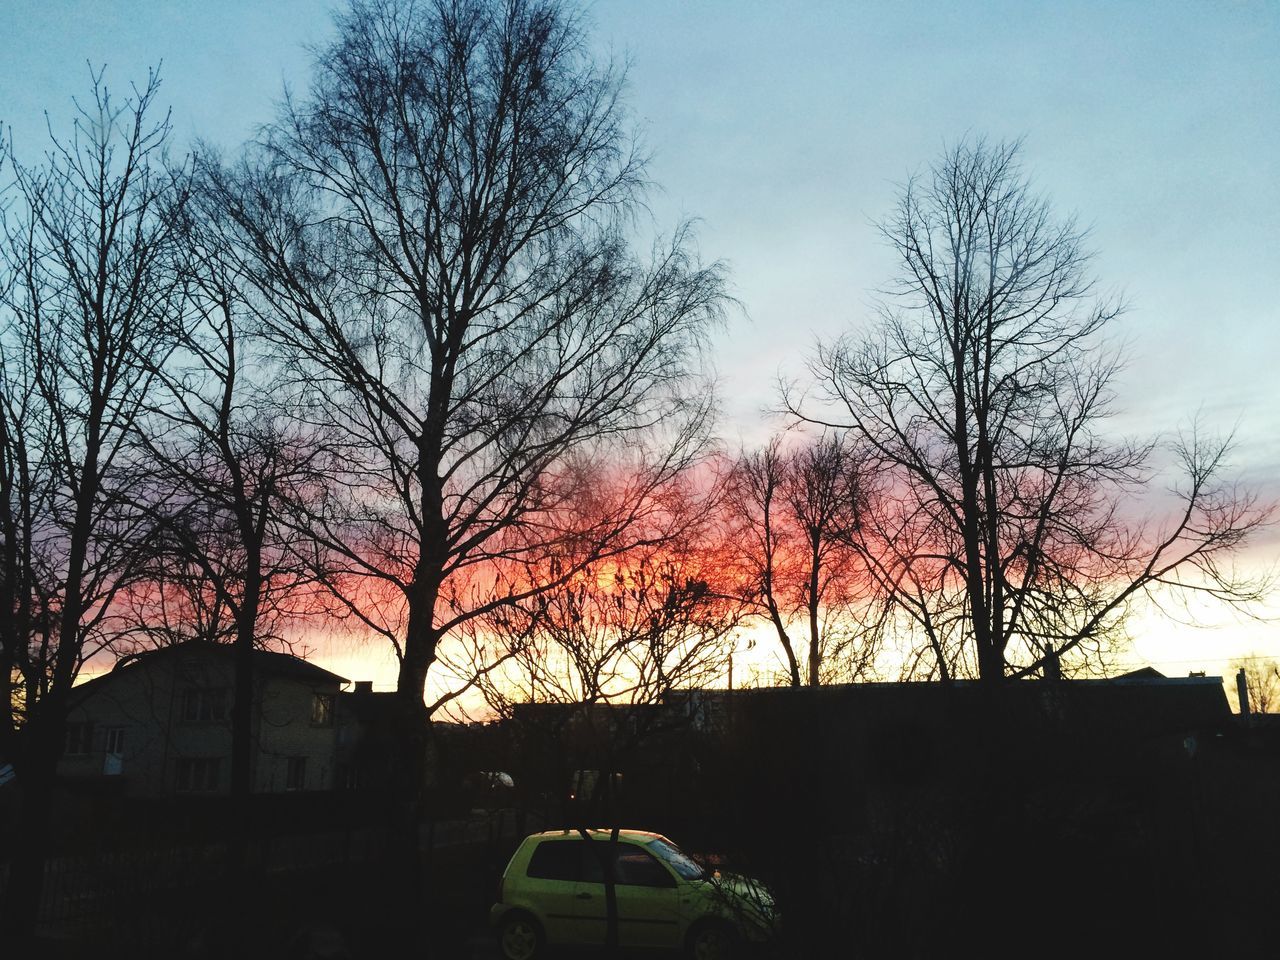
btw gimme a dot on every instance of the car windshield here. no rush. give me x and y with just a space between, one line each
683 864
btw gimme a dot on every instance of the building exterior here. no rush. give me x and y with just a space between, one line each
365 757
159 724
864 753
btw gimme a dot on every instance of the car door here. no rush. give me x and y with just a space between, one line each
648 899
553 887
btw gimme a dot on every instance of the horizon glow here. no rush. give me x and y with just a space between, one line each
785 129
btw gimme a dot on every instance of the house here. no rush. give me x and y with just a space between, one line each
365 757
159 724
865 752
371 727
883 763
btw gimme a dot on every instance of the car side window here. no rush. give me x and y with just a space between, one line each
556 860
632 866
637 868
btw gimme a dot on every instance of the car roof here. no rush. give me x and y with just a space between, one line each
635 836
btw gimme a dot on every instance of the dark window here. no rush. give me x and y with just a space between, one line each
198 774
295 776
592 868
115 740
78 738
322 710
585 784
582 860
557 860
204 706
348 776
636 868
629 865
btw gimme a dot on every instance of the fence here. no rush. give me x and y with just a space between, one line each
103 888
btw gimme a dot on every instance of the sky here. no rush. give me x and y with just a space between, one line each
786 128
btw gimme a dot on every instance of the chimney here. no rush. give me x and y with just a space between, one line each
363 687
1242 691
1052 667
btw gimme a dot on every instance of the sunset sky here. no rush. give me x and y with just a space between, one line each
785 129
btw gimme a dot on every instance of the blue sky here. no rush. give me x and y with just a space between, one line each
785 127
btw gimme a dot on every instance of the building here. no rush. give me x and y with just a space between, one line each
365 757
159 724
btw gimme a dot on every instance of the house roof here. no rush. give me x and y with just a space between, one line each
265 663
1145 673
1133 707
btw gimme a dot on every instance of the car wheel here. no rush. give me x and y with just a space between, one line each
519 936
711 940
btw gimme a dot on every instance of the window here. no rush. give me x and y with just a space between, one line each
680 861
632 866
635 867
295 774
348 776
575 860
204 706
78 738
322 710
585 784
198 774
557 860
115 740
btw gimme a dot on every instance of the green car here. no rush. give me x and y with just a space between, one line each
553 893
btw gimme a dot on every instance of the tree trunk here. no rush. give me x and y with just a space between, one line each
47 726
990 664
410 781
815 637
612 944
793 665
242 826
37 775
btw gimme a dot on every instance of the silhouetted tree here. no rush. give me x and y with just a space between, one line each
229 466
796 526
625 631
1262 684
983 392
89 308
437 236
603 651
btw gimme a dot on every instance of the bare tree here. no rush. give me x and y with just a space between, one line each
88 315
1262 684
596 658
230 468
436 236
24 488
796 524
983 393
626 631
